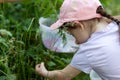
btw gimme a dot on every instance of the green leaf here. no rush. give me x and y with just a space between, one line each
2 77
51 64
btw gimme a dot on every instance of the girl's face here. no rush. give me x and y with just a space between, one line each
79 32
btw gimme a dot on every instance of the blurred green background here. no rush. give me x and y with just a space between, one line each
21 47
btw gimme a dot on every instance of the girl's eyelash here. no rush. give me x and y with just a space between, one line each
69 24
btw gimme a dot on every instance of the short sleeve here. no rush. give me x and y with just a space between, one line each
80 62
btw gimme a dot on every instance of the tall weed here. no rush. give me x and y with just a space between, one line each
21 47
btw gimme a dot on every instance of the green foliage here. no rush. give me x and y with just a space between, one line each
111 6
21 46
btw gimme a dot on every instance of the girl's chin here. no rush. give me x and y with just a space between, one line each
77 42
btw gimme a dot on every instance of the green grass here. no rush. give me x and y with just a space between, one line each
21 47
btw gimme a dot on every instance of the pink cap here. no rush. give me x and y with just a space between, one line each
72 10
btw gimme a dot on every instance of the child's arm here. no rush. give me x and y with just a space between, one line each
2 1
66 74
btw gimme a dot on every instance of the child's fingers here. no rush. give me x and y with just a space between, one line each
39 68
39 65
42 64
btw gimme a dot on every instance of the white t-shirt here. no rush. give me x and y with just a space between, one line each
101 53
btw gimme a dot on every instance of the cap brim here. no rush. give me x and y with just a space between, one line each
56 25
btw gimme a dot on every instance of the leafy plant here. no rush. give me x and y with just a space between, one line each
21 47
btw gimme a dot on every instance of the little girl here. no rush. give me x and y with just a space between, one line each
98 37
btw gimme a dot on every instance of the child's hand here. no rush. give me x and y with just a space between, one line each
40 69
